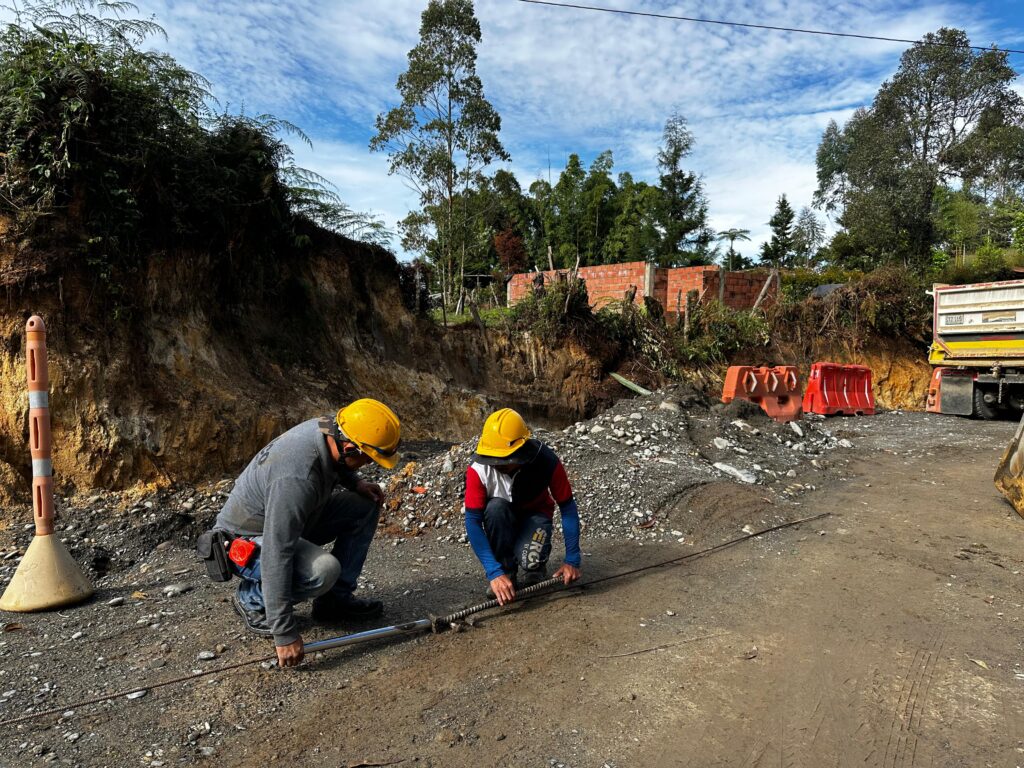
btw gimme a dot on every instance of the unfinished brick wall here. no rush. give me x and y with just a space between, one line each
689 279
607 283
741 288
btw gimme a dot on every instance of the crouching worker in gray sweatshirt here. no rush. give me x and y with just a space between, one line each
284 503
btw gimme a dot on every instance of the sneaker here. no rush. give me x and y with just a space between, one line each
255 621
330 608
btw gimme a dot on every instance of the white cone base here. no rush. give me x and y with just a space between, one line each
47 577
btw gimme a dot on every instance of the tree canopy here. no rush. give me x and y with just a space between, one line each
947 120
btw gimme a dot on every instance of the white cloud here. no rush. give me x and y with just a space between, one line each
574 81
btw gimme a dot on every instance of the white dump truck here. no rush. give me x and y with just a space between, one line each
977 349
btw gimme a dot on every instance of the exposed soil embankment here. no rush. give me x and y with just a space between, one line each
183 385
899 368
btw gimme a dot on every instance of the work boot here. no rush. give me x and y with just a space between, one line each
331 608
255 621
534 577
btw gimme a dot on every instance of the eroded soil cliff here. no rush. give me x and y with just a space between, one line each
182 388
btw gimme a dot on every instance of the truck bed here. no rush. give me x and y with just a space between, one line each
978 325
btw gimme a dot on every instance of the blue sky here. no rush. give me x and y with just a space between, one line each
573 81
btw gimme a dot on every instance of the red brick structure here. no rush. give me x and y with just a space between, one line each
609 282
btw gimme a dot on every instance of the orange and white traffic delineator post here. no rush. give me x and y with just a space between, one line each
47 576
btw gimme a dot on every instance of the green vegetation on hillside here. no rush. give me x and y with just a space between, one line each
115 149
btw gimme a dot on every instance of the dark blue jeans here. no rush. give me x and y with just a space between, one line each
518 541
349 520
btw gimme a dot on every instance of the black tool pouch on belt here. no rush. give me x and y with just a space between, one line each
212 550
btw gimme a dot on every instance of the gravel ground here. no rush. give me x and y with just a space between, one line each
669 470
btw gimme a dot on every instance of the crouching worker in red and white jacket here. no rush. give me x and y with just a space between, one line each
512 488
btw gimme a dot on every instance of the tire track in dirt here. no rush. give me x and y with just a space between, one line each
903 734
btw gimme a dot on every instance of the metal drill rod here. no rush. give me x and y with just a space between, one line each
420 625
408 628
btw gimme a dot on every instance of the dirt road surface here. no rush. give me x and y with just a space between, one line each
890 633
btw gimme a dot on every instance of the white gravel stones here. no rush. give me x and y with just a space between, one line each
114 602
206 656
796 429
745 426
173 590
740 474
637 455
137 694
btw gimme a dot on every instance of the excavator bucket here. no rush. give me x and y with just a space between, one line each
1010 472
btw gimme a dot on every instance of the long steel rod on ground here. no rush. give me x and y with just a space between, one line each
409 628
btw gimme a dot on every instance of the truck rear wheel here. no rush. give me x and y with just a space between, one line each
982 410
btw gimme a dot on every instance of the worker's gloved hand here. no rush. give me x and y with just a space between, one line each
503 589
567 573
290 655
370 490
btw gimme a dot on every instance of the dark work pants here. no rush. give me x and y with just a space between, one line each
518 541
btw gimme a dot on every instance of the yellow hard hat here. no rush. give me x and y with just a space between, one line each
373 428
504 433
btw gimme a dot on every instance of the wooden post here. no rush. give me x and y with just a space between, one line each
772 276
480 324
690 301
679 307
721 285
551 261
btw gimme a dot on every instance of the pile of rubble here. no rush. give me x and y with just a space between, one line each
631 463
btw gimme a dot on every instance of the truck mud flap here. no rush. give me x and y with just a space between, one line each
1009 477
957 395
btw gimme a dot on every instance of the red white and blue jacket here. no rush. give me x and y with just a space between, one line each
534 489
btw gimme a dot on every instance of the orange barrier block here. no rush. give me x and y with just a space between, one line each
776 390
834 389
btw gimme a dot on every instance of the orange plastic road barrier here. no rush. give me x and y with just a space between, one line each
834 389
776 390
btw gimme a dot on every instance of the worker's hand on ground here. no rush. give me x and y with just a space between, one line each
567 573
503 589
370 490
290 655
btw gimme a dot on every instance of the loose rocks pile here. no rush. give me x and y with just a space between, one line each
632 464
